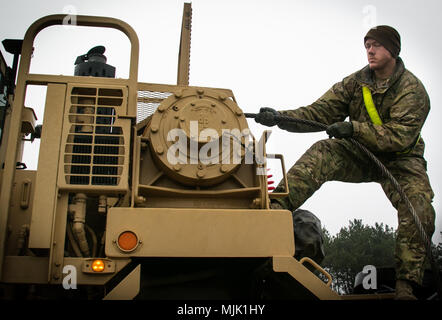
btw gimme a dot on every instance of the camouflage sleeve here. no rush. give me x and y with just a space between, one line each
330 108
408 114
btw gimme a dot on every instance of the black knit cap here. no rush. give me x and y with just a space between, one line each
388 37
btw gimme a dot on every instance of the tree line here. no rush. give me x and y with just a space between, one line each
356 246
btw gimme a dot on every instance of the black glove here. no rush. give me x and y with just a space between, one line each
266 117
342 129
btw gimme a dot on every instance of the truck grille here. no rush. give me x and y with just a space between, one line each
94 152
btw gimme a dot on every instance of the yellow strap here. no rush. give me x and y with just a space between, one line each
374 116
369 105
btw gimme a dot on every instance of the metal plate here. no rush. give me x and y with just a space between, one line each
202 232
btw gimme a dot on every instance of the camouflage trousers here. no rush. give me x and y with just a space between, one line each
340 160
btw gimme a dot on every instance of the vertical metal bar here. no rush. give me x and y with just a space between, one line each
58 239
45 196
184 54
10 163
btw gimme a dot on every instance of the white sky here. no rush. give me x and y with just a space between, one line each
280 53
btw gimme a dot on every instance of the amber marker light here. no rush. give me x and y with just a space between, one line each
98 265
127 241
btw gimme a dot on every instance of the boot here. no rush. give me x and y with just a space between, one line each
404 290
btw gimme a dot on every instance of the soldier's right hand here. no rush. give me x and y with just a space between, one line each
267 117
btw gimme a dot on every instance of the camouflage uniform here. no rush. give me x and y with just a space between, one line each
403 105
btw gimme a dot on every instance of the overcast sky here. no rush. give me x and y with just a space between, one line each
280 53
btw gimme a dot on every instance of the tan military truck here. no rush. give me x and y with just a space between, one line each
142 190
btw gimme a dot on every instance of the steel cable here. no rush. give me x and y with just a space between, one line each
430 248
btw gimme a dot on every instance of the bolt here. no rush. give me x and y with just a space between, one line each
200 91
256 202
138 200
160 150
160 109
223 168
222 97
178 94
154 129
200 173
238 112
213 105
177 167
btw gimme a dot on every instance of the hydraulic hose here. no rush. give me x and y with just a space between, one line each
430 248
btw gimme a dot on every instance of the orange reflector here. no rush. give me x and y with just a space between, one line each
98 265
127 241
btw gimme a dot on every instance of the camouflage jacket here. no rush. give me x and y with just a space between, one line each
402 103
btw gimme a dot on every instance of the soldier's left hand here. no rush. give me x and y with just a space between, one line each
267 117
341 129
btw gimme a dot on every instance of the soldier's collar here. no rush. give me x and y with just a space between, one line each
366 77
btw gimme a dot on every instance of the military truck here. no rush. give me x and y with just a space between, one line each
142 190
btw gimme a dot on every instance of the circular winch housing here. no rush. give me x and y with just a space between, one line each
197 136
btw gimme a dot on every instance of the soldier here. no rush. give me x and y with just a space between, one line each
387 106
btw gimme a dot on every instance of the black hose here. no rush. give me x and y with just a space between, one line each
430 248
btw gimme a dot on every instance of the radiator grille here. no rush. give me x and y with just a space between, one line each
95 145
